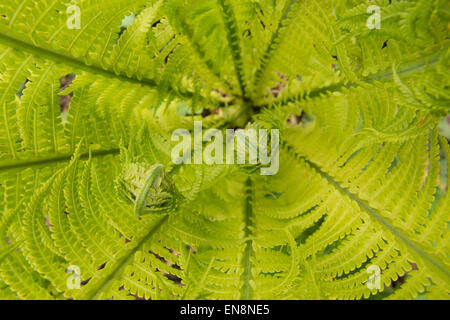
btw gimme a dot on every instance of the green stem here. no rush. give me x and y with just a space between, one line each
246 290
32 162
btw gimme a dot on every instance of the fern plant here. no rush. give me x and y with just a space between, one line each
363 170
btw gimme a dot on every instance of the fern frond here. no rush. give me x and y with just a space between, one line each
362 180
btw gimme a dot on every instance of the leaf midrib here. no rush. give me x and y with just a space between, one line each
48 53
231 28
272 46
246 262
34 162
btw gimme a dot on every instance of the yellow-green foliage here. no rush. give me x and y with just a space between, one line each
362 177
